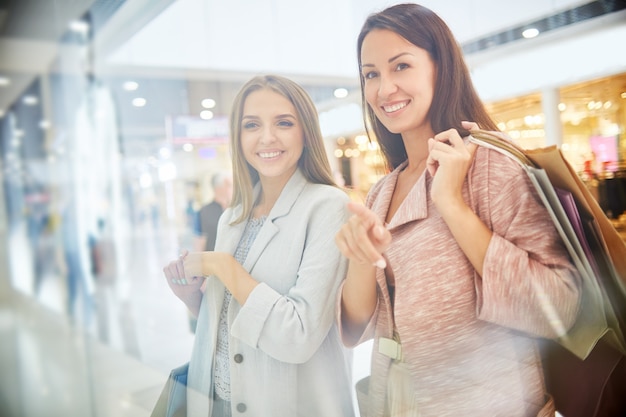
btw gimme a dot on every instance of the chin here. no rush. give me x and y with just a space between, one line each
394 129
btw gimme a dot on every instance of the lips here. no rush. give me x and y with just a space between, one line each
391 108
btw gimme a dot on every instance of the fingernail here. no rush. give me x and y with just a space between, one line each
380 264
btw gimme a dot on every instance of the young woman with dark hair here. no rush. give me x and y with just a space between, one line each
455 268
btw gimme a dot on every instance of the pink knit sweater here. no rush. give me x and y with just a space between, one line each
470 341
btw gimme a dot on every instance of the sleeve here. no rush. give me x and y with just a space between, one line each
291 327
529 282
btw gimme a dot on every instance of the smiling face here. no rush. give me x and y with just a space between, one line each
399 81
272 138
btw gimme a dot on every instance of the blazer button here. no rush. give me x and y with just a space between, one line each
238 358
241 407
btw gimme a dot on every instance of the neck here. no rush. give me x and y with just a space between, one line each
267 198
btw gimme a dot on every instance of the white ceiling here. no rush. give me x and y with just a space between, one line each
211 40
209 47
306 38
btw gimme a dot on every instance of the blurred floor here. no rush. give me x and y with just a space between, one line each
54 366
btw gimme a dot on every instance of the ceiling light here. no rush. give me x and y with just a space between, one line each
30 100
623 95
79 26
208 103
206 114
130 86
4 81
530 33
139 102
341 93
562 106
187 147
165 153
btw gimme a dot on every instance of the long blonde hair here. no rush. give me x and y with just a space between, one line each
313 163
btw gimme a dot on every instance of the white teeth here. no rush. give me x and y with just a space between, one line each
269 154
395 107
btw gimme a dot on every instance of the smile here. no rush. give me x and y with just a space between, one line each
269 155
395 107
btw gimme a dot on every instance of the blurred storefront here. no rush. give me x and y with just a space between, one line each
591 121
592 118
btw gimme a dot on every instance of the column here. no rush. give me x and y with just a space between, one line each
552 116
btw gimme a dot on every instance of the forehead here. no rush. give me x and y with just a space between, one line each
267 102
384 43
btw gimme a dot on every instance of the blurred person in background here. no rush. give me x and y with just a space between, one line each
456 269
208 217
76 250
209 214
266 342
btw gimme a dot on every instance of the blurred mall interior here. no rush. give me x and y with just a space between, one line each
113 117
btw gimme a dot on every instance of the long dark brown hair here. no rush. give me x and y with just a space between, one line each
455 98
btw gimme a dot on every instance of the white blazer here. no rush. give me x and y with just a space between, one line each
286 355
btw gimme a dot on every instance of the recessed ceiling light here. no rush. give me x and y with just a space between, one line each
4 81
79 26
341 93
208 103
130 86
530 33
139 102
30 100
206 114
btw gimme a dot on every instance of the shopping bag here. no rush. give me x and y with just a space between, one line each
173 399
585 370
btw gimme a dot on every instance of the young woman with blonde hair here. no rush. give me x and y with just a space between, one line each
267 343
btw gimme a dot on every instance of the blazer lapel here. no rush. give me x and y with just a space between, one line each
281 208
228 241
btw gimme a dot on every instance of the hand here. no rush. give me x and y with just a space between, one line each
448 162
206 263
363 238
183 286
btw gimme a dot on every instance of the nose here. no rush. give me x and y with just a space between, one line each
386 86
267 135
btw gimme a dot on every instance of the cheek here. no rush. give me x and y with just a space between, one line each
247 147
370 92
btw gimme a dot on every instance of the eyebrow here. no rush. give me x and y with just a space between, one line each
390 60
282 116
278 116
